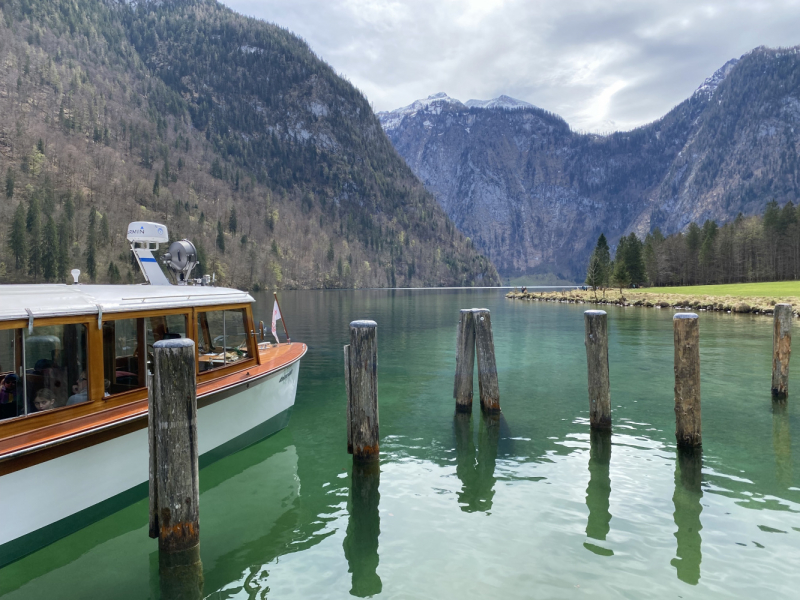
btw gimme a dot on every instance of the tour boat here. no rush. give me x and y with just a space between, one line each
75 362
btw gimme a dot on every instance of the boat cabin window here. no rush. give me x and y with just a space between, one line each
10 368
124 355
128 349
164 327
42 369
222 338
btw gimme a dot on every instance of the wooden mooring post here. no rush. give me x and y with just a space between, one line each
781 350
465 361
688 429
362 384
487 367
596 341
174 469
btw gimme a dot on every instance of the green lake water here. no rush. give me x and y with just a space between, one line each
526 506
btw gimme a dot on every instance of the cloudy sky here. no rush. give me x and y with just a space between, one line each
601 64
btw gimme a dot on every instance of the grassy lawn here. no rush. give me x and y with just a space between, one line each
767 289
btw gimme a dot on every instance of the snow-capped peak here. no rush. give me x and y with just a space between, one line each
504 102
390 119
710 85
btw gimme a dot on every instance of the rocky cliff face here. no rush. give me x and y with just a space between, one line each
534 195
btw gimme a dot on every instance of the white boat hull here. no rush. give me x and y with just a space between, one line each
71 485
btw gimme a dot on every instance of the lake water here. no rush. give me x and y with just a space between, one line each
527 506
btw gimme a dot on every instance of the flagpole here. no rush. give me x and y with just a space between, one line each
288 339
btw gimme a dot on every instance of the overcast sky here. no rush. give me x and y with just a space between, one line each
603 65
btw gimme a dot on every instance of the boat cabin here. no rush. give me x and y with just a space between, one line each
68 351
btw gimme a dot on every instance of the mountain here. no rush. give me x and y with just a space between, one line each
228 129
534 195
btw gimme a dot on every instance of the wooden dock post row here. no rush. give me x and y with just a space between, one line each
781 350
475 334
361 375
174 469
596 341
688 426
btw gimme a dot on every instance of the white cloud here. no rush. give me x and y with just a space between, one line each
595 63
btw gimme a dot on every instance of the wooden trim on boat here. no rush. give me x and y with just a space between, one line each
94 353
50 441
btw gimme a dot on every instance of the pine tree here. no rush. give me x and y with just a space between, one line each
64 231
157 184
50 249
113 274
594 273
33 223
232 222
17 238
604 256
9 183
220 237
104 235
91 246
330 255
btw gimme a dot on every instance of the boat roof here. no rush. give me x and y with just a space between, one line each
59 300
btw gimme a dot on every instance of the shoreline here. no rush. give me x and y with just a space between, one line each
725 304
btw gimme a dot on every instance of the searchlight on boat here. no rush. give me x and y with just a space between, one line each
181 257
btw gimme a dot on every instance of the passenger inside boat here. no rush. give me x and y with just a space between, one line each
47 358
45 400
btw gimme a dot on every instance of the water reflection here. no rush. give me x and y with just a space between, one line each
363 529
598 492
782 442
687 497
180 575
476 473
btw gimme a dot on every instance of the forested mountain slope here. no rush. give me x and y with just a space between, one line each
228 129
534 195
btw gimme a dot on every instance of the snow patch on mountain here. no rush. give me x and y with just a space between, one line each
433 104
503 102
711 84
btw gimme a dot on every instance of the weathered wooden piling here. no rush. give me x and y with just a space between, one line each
363 386
174 481
465 361
487 367
347 388
688 430
781 349
596 341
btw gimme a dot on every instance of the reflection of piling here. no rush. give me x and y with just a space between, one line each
174 481
782 442
363 530
465 361
687 498
596 341
688 430
598 493
362 356
487 367
781 349
476 470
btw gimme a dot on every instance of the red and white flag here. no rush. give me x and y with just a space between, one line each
276 315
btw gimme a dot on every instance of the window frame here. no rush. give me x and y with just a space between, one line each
239 365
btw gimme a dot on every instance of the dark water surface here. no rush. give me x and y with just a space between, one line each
527 506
